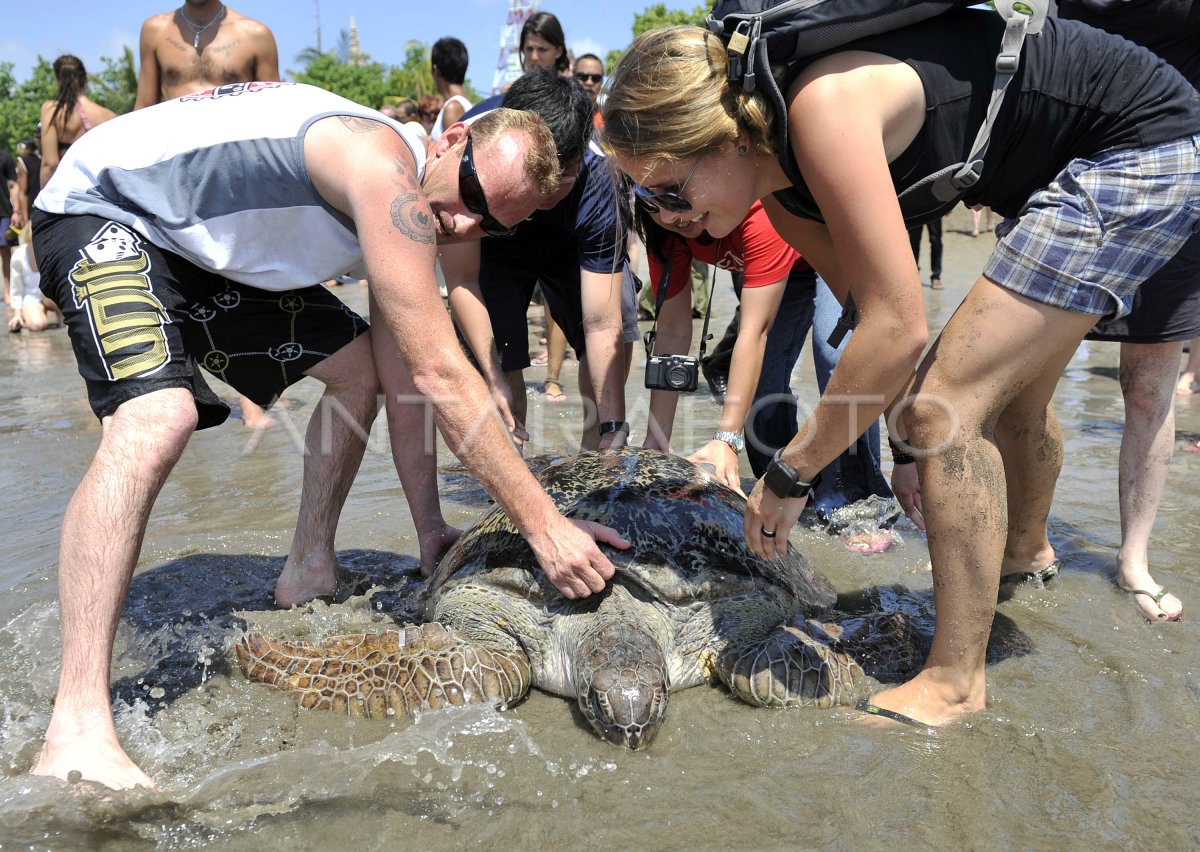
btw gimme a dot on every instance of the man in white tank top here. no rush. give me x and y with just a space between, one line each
448 64
185 234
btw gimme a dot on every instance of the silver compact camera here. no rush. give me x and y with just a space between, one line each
672 372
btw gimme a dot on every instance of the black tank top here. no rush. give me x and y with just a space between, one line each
33 175
1171 28
1078 92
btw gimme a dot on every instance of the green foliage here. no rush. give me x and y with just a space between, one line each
362 84
21 103
372 85
116 85
413 77
653 18
658 16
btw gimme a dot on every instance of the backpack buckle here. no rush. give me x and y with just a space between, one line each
967 176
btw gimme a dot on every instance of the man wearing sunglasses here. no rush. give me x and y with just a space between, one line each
184 235
589 71
573 247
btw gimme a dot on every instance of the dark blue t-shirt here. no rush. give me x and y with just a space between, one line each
584 230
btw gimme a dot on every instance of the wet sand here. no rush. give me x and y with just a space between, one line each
1088 741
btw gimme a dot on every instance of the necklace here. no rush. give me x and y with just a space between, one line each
199 31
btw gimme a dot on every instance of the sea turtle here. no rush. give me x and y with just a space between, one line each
689 604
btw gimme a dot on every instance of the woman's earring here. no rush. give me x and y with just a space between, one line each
743 150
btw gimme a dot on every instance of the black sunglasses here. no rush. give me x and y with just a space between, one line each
671 200
589 78
473 197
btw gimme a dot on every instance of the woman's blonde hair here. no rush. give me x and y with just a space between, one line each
541 157
670 98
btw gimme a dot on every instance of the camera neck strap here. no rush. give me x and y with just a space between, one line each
660 297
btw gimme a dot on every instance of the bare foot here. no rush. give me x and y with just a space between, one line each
100 759
434 547
254 416
299 584
554 391
1186 386
926 700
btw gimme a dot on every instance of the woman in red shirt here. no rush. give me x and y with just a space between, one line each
779 292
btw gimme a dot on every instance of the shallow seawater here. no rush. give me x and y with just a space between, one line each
1089 738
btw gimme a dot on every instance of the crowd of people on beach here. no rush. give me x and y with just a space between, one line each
153 237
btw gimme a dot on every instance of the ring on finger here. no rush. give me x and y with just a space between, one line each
767 533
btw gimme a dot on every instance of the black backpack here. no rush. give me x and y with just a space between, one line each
760 34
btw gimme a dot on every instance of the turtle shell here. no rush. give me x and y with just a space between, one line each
684 526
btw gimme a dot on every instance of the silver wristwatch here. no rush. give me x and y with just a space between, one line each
733 439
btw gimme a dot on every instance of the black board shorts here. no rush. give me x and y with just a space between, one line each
143 319
1166 307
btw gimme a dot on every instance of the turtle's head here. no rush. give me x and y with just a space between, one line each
621 682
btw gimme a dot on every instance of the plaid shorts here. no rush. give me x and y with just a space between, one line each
1106 224
143 319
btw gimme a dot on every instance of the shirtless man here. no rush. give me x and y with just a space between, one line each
198 46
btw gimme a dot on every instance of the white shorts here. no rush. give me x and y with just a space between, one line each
26 301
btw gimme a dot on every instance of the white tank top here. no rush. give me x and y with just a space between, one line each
218 177
438 127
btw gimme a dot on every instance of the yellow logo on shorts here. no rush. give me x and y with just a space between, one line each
111 282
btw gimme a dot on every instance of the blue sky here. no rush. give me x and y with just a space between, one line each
91 28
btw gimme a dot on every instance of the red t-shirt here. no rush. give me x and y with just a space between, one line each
753 248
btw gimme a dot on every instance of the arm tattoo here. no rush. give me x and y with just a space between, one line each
412 218
358 124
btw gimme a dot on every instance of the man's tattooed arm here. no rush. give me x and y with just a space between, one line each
358 124
410 211
411 217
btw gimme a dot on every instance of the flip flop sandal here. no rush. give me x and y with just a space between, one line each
1157 598
865 706
1041 576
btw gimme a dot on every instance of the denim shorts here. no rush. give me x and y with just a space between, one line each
1101 228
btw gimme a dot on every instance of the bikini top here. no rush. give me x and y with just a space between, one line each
83 119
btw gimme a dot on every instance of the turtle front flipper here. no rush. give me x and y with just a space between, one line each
805 662
386 674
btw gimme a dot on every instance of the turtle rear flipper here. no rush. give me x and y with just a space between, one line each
386 674
806 662
790 668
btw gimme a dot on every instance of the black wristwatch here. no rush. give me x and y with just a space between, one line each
784 482
610 426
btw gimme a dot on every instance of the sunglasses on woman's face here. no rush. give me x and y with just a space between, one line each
589 78
671 200
473 197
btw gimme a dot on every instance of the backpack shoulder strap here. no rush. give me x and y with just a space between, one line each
1018 22
747 28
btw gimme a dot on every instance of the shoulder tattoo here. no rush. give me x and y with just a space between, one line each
358 124
412 218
